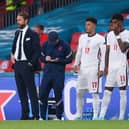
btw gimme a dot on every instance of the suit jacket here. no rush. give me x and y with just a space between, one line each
31 46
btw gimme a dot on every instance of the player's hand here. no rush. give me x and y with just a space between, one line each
76 68
55 60
100 74
48 58
12 58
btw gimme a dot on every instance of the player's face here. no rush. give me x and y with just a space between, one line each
110 26
37 30
21 22
115 24
90 27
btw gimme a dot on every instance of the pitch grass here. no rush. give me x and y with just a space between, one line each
64 124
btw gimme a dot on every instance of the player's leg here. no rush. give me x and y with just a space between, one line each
96 105
43 95
123 102
81 89
58 86
93 83
110 83
105 101
122 82
80 102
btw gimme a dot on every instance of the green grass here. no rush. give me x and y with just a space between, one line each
64 124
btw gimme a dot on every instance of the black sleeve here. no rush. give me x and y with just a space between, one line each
14 42
68 55
35 48
43 53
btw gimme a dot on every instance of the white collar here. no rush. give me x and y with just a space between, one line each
25 28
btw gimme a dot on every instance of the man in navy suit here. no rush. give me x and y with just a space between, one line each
55 54
25 57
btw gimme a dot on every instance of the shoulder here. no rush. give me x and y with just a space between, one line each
32 32
125 32
111 33
64 43
82 36
100 38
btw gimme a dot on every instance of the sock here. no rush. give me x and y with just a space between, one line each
80 102
96 104
105 103
123 101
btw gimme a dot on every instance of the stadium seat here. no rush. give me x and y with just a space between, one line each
74 41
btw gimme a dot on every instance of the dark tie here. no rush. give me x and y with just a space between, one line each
20 43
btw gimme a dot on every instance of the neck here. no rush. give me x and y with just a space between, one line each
91 34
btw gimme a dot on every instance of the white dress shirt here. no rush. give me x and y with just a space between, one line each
23 56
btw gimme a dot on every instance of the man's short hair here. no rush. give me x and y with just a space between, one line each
24 14
118 17
41 27
92 19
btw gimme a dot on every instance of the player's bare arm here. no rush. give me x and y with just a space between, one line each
106 59
123 45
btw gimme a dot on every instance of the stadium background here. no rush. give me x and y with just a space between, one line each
67 19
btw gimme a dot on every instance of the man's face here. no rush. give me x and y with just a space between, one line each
116 24
110 26
21 22
38 30
90 27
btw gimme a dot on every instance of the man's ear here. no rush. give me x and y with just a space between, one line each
26 21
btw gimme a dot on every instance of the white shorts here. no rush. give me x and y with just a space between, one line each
88 80
117 77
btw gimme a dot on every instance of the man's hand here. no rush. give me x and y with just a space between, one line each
76 68
100 74
48 58
12 58
55 60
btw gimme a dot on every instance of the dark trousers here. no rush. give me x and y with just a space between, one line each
24 77
49 81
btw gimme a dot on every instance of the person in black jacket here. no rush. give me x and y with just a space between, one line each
25 57
55 54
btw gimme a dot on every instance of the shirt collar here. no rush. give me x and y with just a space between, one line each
24 29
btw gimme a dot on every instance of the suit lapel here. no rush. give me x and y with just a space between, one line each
26 35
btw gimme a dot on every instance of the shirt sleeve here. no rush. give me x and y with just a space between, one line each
126 38
79 52
43 53
68 55
102 57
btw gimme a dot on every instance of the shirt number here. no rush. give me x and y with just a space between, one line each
87 50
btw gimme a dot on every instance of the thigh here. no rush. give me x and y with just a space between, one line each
20 84
58 86
82 81
122 77
111 78
28 77
45 86
93 81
